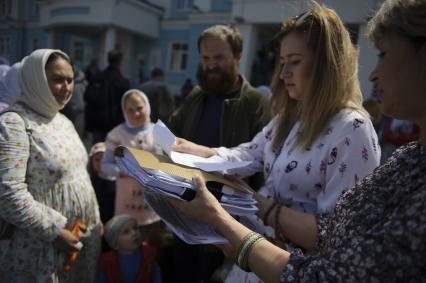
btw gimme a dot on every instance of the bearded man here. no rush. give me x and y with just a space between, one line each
223 110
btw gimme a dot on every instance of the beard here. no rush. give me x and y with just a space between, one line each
221 83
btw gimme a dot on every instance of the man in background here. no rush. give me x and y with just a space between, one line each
103 98
159 96
223 110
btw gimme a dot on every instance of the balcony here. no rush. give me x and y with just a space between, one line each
134 16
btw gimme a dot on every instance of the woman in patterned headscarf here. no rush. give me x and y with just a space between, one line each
45 189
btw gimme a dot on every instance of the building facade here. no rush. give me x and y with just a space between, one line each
164 33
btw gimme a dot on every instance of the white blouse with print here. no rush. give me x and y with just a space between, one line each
311 179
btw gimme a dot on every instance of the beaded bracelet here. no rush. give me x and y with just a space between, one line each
245 248
268 211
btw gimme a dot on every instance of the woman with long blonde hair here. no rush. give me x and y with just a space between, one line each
376 232
321 141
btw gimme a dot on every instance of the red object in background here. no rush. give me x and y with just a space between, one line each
398 132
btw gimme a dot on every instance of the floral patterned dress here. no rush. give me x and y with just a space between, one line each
377 232
44 187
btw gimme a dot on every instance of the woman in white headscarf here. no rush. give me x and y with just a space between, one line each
3 71
45 189
135 131
9 86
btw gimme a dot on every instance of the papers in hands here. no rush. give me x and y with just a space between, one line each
162 179
165 139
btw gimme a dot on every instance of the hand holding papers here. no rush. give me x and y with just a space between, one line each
162 178
164 138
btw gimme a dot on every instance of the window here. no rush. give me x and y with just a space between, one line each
5 45
78 51
178 57
5 8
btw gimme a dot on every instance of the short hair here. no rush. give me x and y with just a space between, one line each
157 72
115 57
404 17
231 34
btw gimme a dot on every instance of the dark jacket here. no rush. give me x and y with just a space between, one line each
103 100
242 117
160 99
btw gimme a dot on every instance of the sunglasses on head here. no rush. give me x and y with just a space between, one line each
302 18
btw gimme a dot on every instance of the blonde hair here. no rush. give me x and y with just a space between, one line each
405 17
333 84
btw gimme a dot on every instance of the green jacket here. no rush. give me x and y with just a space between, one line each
242 117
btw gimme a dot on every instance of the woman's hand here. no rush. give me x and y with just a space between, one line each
263 203
66 241
182 145
123 175
204 207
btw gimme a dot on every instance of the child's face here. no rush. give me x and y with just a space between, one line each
96 161
135 110
129 238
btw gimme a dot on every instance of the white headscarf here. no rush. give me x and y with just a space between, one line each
147 105
3 71
11 89
36 93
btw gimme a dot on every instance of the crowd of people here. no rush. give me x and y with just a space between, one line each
339 182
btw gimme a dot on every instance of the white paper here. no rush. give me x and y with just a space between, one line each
164 138
160 186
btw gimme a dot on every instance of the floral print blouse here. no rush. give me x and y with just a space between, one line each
377 232
44 186
311 179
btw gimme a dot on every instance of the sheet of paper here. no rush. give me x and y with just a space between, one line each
164 138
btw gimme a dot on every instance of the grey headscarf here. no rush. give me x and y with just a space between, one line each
35 91
113 228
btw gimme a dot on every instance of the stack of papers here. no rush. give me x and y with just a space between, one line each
163 178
